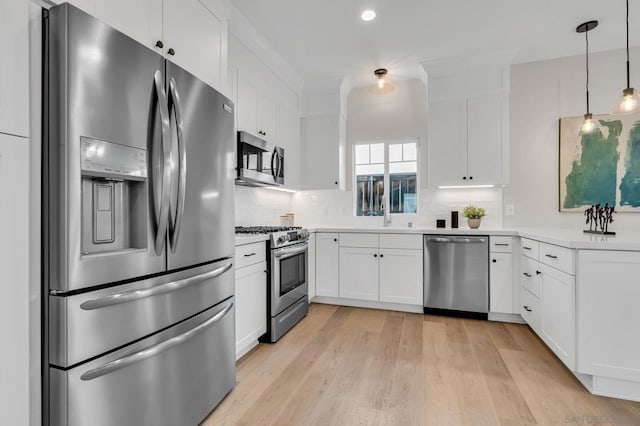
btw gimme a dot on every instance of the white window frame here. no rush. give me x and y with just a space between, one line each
387 176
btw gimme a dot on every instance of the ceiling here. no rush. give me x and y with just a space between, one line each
326 39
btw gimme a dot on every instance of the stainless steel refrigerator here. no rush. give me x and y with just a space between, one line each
138 232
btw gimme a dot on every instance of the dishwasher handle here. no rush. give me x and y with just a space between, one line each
456 240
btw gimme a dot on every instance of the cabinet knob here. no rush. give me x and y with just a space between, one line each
375 255
171 51
470 177
159 44
336 182
494 261
464 178
538 272
335 239
382 255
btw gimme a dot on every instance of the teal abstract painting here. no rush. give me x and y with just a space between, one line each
602 166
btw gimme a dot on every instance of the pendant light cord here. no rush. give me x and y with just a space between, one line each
586 37
628 68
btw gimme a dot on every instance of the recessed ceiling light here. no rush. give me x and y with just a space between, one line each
368 15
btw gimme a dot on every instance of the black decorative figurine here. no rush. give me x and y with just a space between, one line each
598 218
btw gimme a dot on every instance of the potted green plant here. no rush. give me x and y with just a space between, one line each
473 215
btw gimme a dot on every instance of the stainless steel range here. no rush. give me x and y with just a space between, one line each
288 289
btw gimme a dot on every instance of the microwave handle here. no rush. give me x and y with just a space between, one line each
274 171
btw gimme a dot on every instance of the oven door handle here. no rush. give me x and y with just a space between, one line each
284 253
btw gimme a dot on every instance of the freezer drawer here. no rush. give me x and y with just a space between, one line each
175 377
89 324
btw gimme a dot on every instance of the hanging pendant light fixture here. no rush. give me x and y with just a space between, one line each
589 124
630 101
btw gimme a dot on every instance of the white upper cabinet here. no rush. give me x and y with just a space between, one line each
322 149
468 120
289 139
195 38
257 110
190 33
14 67
467 141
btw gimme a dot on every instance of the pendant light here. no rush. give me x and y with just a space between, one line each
589 124
630 101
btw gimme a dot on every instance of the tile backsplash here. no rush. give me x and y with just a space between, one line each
335 208
259 206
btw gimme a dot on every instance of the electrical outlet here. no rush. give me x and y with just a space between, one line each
509 209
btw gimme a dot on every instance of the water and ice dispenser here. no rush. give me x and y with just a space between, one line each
114 197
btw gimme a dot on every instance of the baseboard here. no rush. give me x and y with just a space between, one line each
368 304
514 318
248 343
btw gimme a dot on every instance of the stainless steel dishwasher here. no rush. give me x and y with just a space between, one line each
456 275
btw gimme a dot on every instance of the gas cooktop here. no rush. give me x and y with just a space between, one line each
264 229
280 236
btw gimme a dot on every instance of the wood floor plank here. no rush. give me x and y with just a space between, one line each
353 366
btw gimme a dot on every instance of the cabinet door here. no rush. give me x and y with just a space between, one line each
486 123
448 142
501 283
14 67
320 152
558 313
139 19
247 104
251 306
359 273
197 33
311 278
327 265
401 276
267 118
289 139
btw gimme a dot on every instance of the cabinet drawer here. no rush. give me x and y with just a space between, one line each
530 309
559 257
401 241
530 248
359 240
250 254
530 275
501 244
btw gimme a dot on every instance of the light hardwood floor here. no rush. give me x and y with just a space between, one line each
350 366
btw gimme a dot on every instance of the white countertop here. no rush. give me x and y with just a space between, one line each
242 239
575 239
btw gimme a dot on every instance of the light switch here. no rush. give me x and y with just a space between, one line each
509 209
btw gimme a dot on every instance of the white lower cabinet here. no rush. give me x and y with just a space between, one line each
501 283
250 297
558 314
311 269
359 273
548 297
327 264
401 276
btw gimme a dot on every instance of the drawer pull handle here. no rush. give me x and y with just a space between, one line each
526 274
502 244
526 308
526 248
550 256
249 254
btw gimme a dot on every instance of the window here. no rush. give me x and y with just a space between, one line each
382 165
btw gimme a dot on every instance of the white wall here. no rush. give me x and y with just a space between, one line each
541 93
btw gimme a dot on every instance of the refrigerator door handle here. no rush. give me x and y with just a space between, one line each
162 205
155 349
174 227
134 295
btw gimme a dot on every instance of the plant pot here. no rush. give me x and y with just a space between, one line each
473 223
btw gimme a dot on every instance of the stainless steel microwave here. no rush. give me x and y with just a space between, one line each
259 163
